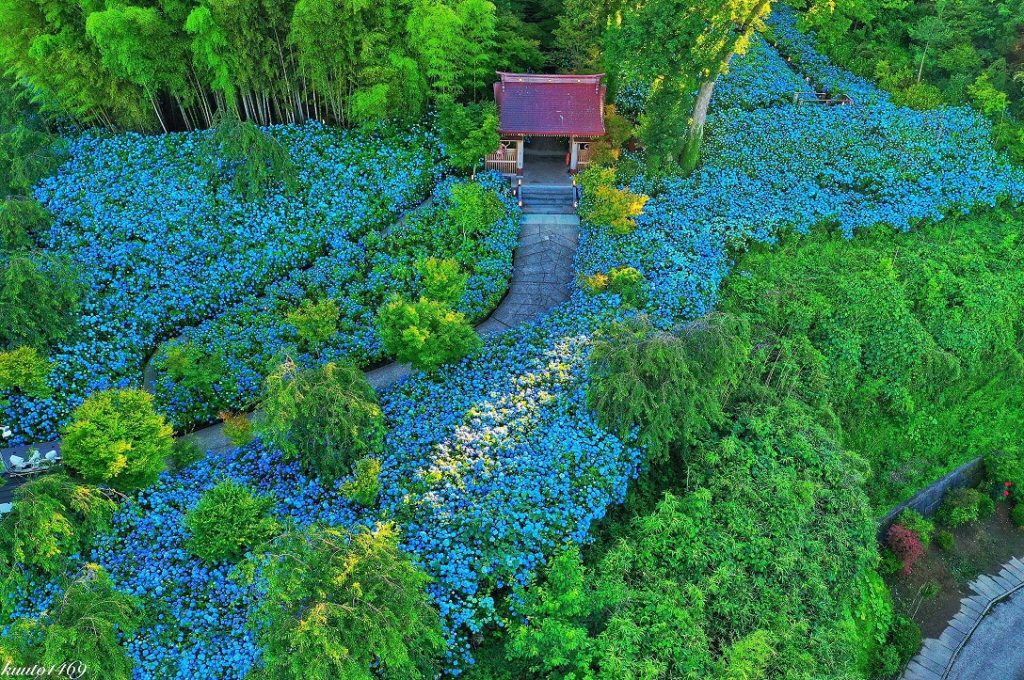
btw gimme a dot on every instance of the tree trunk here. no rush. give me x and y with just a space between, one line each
920 67
159 115
695 134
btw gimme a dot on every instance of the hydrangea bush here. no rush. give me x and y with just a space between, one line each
494 463
818 69
163 246
758 78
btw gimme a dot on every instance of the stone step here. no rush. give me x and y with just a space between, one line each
561 220
549 209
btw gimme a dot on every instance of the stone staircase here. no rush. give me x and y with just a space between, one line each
548 199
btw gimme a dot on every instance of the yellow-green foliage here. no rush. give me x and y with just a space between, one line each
315 323
364 486
472 211
117 438
52 518
443 280
626 282
595 283
605 205
237 428
352 602
618 130
426 333
25 369
229 520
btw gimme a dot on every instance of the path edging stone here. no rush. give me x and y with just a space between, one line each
937 656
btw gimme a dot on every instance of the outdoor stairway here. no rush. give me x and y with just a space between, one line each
548 199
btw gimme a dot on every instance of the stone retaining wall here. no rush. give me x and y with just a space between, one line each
928 500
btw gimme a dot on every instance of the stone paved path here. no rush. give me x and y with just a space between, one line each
996 649
983 639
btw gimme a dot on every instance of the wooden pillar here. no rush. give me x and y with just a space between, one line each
574 153
519 156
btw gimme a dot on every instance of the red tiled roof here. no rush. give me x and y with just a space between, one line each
552 105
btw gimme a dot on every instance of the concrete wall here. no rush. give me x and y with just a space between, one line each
928 500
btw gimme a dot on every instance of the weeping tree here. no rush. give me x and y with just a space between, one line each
255 160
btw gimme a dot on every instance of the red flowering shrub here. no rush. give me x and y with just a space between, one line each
907 546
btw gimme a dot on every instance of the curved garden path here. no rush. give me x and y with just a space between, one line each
542 275
983 640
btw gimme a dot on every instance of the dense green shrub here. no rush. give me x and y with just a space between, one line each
626 282
1017 514
22 220
671 597
185 452
345 605
39 296
1008 138
961 506
425 333
945 540
364 487
605 152
229 520
52 518
315 323
671 386
24 369
26 156
902 643
468 132
929 53
916 522
1006 465
326 417
443 280
83 626
117 438
911 340
196 369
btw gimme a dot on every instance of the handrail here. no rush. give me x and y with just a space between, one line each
821 98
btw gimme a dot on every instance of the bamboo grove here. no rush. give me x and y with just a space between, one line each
174 64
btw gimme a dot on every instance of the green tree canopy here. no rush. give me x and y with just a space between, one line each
343 604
